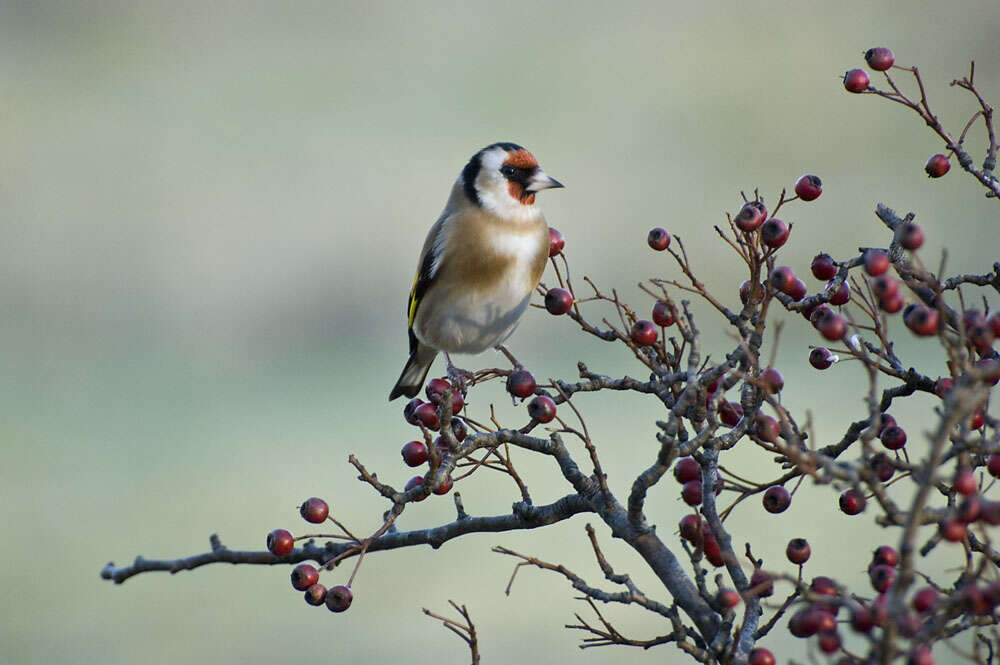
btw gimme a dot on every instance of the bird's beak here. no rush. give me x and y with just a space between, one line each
541 180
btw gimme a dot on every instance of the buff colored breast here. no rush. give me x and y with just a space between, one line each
490 282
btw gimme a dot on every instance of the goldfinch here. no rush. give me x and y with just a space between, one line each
481 261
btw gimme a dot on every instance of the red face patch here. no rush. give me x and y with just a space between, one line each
517 192
521 159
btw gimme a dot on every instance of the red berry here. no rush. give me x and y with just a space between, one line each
542 409
832 327
972 318
994 323
965 482
828 641
758 293
686 469
521 383
730 413
691 528
556 242
280 542
842 295
781 278
974 600
304 576
797 290
427 414
861 619
856 80
805 622
852 502
922 320
969 509
886 421
662 316
920 656
808 187
885 555
876 262
776 499
414 453
713 553
415 481
772 380
882 466
937 166
774 233
823 267
798 550
658 239
558 301
952 530
942 387
911 236
643 333
444 486
459 429
893 437
761 656
691 493
761 583
821 358
893 303
925 599
316 594
435 388
879 58
990 369
727 598
881 577
885 286
314 510
823 586
339 598
981 336
410 410
818 313
766 428
751 216
993 465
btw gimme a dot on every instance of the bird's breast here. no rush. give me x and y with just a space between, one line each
484 287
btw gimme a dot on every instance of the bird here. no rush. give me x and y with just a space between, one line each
480 262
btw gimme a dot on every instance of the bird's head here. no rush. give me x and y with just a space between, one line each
503 178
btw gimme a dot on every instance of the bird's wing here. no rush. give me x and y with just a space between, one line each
429 268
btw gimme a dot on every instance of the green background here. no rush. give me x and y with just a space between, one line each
210 217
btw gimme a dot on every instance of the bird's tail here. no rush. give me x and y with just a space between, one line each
414 373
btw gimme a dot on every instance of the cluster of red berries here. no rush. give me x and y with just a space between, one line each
521 385
856 80
557 301
981 331
687 472
305 577
773 232
694 529
819 617
970 507
418 412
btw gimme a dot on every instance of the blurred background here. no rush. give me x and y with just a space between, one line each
210 220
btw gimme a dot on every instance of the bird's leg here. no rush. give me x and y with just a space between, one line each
510 356
459 377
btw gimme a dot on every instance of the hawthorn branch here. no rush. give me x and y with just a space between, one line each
523 517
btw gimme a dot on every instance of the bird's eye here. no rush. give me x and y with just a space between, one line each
508 171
